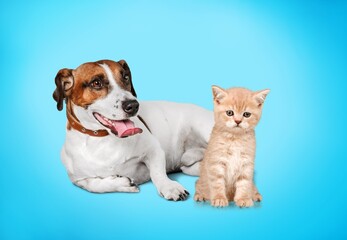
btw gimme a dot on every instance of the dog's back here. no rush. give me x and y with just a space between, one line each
178 127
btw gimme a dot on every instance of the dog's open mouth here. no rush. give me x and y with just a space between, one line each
121 128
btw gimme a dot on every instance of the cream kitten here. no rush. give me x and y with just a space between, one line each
226 172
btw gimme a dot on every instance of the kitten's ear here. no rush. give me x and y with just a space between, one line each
218 94
261 95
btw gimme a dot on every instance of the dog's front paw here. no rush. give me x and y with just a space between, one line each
173 191
133 189
126 184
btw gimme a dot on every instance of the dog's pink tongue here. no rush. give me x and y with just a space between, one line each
125 128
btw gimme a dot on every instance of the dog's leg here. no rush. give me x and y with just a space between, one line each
190 161
107 184
167 188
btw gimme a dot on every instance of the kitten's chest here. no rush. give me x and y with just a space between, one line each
235 157
240 154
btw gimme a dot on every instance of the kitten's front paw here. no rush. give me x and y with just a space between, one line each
172 190
199 198
244 202
257 197
220 202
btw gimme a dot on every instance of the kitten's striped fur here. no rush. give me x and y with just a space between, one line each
226 172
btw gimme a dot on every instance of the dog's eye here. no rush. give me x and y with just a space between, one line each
96 84
246 114
126 79
230 113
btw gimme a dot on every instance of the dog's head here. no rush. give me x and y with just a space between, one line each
102 94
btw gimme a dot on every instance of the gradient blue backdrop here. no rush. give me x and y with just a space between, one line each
176 51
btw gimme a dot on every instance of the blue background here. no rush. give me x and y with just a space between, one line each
176 51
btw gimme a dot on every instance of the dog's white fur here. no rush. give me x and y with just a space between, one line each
178 138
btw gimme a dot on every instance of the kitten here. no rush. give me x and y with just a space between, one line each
226 172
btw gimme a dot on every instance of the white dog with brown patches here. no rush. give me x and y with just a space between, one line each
114 143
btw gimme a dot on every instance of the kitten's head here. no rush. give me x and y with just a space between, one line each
238 109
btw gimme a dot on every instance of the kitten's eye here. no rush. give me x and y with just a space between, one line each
230 113
246 114
96 84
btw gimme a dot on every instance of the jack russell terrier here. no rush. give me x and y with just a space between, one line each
113 143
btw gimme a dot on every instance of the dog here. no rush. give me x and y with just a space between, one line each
114 143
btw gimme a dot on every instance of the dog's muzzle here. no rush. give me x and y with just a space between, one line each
131 107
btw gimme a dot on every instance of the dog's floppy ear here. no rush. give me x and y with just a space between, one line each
64 82
125 66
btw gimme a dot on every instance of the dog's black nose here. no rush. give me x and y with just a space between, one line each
130 106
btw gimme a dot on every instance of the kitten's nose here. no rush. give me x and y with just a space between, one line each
237 121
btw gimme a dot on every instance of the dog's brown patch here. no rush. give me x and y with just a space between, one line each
81 91
83 94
